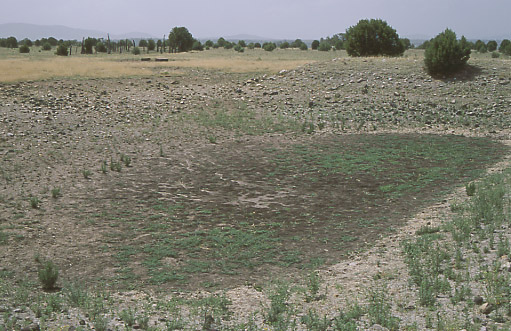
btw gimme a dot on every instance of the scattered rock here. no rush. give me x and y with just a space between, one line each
486 308
31 327
478 300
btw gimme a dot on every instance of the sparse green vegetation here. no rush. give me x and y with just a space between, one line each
48 275
86 173
35 202
56 192
470 188
241 168
126 160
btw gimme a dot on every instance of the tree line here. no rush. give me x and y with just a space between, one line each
504 47
444 54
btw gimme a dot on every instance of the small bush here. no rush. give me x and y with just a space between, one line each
115 166
445 54
48 275
24 49
86 173
128 316
46 47
238 48
126 160
55 192
470 189
136 51
324 46
197 46
104 168
101 48
269 46
495 55
34 202
62 50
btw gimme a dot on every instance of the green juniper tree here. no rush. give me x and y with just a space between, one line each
180 40
372 38
445 54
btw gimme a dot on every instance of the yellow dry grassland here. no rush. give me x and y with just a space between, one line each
22 69
45 65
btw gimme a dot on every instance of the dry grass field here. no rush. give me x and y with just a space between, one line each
288 190
40 65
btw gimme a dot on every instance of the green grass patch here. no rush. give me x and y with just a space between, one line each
402 164
259 210
241 120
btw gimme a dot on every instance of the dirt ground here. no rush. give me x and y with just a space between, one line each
204 159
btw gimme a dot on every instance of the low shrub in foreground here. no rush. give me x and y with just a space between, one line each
48 275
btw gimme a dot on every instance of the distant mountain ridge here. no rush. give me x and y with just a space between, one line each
34 31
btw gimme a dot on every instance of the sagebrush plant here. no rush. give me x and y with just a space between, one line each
470 188
76 295
100 323
128 316
55 192
34 202
315 322
379 309
48 275
115 166
126 160
313 284
278 304
445 54
104 167
3 238
86 173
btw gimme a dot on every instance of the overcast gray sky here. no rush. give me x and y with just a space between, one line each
291 19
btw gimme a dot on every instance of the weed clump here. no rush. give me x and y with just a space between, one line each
55 192
470 188
34 202
48 274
